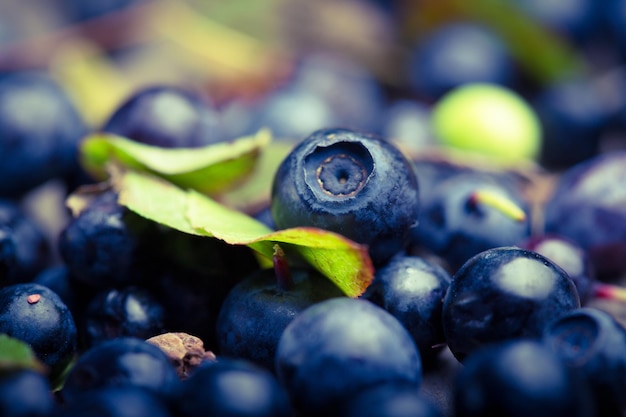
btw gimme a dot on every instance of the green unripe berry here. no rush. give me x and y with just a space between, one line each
488 119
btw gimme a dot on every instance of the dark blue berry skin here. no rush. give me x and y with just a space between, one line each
120 363
504 293
455 54
25 393
99 246
166 116
412 290
390 400
256 311
130 311
569 256
232 388
36 315
39 132
351 183
78 11
519 378
339 347
573 116
594 343
457 222
575 20
24 244
588 207
117 402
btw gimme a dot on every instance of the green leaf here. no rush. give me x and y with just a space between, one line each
212 169
343 261
15 354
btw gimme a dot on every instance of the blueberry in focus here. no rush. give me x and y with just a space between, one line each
37 316
39 132
257 310
587 206
131 311
593 342
232 388
504 293
351 183
471 212
168 117
25 393
412 290
339 347
123 362
519 378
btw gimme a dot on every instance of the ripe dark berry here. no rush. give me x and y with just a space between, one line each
470 212
519 378
130 311
351 183
166 116
504 293
37 316
25 393
39 132
594 343
338 347
117 402
99 246
390 400
412 290
122 362
235 388
257 310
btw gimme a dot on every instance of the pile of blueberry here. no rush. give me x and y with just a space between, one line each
486 298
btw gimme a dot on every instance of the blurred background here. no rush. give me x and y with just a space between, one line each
296 65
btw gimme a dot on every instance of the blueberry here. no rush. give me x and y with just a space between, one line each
504 293
123 362
587 206
338 347
233 388
130 311
257 310
470 212
568 255
351 183
390 400
101 247
519 378
166 116
24 244
458 53
36 315
25 393
39 132
412 290
594 343
117 402
574 115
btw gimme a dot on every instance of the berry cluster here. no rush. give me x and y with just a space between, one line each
482 193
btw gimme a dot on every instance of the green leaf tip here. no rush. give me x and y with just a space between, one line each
16 354
212 169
